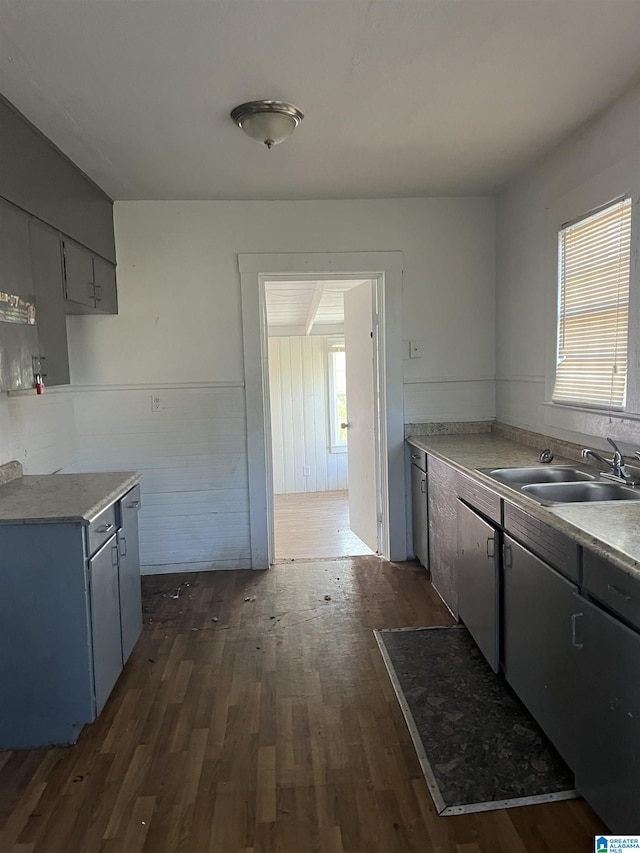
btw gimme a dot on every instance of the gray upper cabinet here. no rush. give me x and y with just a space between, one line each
78 275
37 177
44 199
89 281
46 268
18 330
106 295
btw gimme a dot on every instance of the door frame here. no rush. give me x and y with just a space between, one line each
385 269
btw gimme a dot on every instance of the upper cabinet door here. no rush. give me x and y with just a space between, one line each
18 331
104 277
78 274
48 281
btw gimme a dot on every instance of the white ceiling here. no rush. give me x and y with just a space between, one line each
306 307
401 97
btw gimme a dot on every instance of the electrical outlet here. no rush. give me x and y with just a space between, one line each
156 403
306 470
414 349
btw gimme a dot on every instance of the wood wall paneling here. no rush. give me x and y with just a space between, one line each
299 417
192 454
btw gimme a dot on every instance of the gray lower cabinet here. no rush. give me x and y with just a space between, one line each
443 530
607 765
106 635
67 623
129 572
477 573
540 611
419 506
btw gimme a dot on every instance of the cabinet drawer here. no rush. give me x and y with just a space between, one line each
101 529
546 542
418 457
479 497
131 502
613 587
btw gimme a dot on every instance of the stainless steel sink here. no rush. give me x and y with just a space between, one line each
539 474
579 492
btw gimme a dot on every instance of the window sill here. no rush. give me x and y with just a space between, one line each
592 410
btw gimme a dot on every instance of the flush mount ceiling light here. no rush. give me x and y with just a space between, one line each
269 122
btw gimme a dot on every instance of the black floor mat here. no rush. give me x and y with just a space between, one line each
478 746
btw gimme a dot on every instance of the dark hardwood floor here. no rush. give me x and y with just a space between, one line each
274 728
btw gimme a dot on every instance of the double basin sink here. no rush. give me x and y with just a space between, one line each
558 484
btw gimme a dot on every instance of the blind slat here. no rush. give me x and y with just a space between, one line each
593 315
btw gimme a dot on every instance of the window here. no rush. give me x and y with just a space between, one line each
594 255
337 397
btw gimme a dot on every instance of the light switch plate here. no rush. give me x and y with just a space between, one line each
414 349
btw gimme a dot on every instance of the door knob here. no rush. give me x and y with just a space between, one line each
345 426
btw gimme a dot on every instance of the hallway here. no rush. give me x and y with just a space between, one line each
315 525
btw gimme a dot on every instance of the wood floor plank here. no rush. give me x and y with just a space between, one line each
274 729
314 525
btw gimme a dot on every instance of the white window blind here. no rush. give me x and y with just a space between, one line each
593 308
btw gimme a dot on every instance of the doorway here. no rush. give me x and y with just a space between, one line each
385 268
318 359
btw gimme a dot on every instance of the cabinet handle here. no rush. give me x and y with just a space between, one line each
133 505
507 556
423 487
114 555
617 590
491 547
123 547
105 528
98 292
415 456
575 644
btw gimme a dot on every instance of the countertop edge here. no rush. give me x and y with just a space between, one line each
621 560
128 480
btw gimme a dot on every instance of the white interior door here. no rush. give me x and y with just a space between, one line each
361 435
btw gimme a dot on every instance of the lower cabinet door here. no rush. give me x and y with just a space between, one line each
607 765
130 593
419 515
105 620
477 576
540 654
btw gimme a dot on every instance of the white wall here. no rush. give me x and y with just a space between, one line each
38 431
179 336
300 419
592 167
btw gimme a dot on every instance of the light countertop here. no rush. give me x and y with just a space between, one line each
36 499
611 529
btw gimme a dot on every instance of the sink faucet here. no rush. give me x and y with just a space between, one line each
615 465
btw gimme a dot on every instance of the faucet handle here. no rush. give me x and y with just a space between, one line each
618 453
